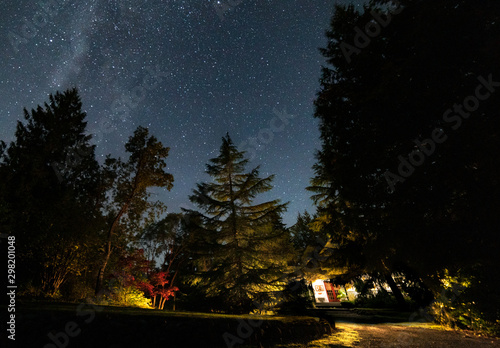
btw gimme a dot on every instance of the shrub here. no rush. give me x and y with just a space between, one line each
129 296
296 298
456 306
347 304
382 299
367 299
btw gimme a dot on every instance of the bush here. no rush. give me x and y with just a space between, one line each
366 298
29 290
130 296
296 298
77 288
123 296
382 299
456 305
420 294
463 315
347 304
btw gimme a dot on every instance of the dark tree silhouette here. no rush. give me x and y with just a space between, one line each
50 193
409 128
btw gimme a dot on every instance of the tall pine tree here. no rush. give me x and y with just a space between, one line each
241 246
50 194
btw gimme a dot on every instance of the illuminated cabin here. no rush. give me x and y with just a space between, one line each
326 293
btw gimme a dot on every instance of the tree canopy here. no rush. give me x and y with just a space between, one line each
129 207
406 176
51 189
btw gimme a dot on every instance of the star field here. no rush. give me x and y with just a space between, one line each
190 71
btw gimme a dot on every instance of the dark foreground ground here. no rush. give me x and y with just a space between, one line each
52 325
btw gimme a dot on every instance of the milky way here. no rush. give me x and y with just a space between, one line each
190 71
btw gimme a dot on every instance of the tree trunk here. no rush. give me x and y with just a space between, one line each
100 275
113 226
396 291
346 294
235 228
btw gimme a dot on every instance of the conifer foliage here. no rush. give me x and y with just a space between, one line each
49 193
408 155
239 243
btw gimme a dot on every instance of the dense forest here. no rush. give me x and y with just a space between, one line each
406 186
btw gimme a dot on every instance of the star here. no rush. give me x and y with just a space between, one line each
190 71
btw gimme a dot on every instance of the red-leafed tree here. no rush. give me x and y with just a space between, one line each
166 242
157 287
135 271
131 268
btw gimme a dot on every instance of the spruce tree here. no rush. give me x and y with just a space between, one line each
241 245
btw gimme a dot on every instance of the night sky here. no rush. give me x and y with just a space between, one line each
190 71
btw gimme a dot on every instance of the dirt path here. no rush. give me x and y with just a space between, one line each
400 335
397 335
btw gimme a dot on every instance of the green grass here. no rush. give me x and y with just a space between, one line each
72 307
